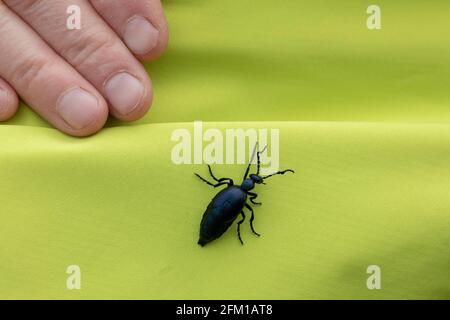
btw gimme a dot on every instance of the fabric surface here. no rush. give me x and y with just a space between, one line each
364 119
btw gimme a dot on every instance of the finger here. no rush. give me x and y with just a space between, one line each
45 81
9 102
141 24
95 51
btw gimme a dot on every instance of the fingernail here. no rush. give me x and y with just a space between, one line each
78 108
124 92
140 35
3 102
3 96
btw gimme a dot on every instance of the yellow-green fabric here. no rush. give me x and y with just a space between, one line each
364 119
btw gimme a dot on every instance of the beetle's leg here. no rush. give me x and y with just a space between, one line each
253 196
229 181
212 174
251 219
239 227
204 180
209 183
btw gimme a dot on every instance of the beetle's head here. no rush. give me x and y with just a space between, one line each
249 183
256 179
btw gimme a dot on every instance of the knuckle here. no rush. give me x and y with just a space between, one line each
30 71
90 49
25 6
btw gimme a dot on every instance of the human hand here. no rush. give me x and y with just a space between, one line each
75 78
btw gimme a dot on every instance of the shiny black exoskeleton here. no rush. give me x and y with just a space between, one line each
229 203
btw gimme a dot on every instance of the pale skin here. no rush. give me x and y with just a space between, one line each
75 79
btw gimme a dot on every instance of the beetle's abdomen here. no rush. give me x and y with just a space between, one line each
221 213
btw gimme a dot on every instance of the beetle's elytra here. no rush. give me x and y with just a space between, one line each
225 207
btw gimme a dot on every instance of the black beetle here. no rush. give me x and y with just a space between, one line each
229 203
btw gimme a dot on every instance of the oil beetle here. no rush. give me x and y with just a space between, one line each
225 207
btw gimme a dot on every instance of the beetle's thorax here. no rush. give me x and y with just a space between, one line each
247 185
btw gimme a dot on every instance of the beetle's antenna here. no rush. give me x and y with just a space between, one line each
251 160
259 162
254 153
279 172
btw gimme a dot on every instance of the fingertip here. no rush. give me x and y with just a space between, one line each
94 127
9 102
160 47
129 96
81 113
142 109
141 24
